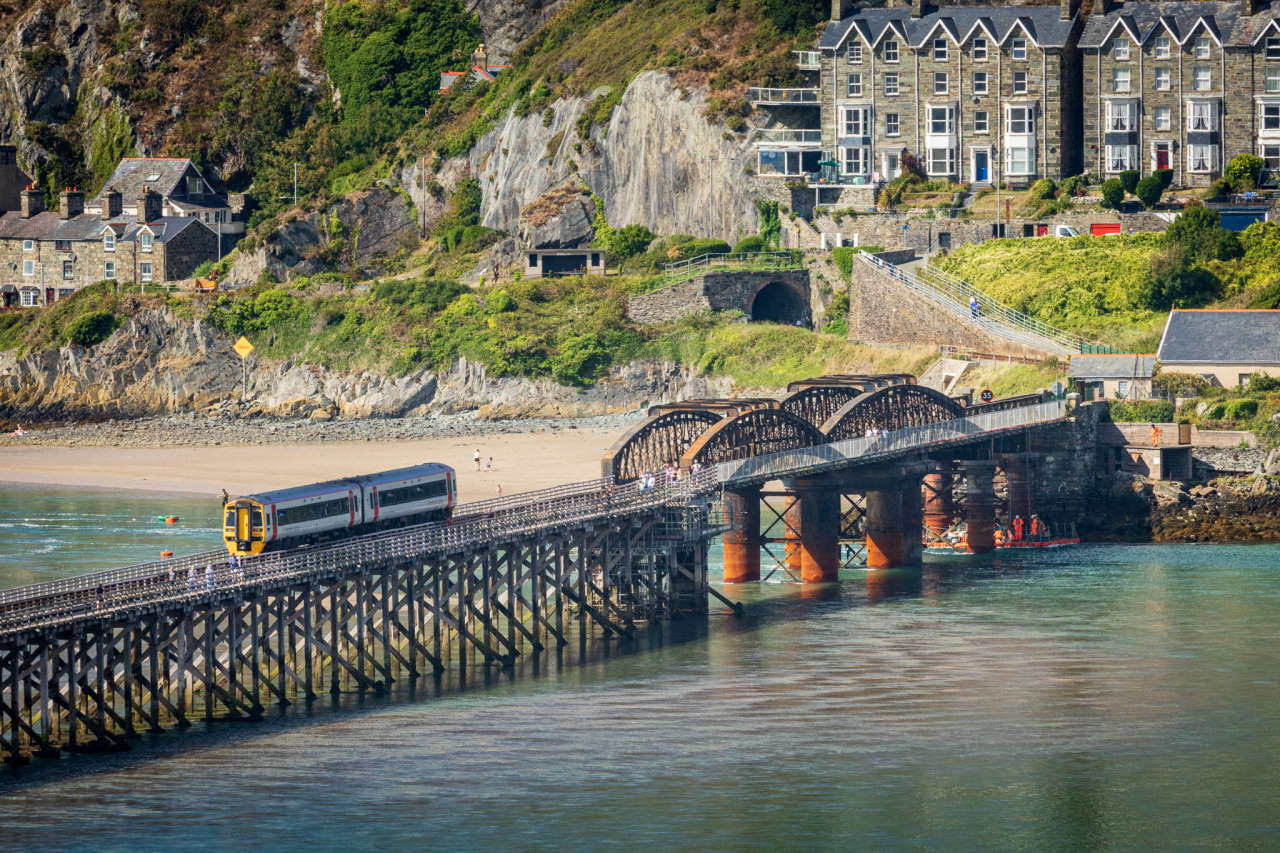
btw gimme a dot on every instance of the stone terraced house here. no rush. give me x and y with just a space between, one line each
47 255
986 94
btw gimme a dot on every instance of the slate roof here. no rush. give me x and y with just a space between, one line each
1145 20
1042 23
1126 366
1221 337
88 226
131 175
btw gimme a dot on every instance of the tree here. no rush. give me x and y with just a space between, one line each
1198 233
1174 283
1129 178
770 222
1149 190
1243 170
628 241
1112 193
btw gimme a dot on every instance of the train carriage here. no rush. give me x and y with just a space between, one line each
301 515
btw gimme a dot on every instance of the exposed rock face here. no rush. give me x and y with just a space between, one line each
357 232
659 163
159 364
507 23
559 219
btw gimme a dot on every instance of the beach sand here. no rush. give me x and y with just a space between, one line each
521 462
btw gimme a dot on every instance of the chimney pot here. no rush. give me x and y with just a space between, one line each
31 201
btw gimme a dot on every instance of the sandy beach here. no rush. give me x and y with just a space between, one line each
521 462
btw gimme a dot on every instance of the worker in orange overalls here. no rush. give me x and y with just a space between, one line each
1017 528
1155 436
1037 528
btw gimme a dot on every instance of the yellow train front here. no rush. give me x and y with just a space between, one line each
319 512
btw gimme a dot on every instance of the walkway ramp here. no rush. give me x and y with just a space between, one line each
996 325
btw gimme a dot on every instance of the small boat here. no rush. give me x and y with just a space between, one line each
954 541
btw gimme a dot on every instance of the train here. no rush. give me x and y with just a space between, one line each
319 512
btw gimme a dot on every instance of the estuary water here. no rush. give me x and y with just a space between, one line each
1103 697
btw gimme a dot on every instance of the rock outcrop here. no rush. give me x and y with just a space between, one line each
161 364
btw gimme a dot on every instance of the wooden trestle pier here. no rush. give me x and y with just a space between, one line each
88 662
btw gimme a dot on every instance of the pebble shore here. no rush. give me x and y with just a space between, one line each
204 430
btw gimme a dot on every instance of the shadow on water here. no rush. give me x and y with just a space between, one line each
764 605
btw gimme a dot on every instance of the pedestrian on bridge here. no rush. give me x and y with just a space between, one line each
191 579
208 576
974 310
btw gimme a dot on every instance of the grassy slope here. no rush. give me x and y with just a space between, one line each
1088 285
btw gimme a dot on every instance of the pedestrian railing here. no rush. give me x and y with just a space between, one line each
782 97
678 271
957 296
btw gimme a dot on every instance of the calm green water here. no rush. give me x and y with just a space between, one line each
1107 697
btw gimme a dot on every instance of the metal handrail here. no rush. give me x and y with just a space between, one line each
954 295
762 95
777 135
778 259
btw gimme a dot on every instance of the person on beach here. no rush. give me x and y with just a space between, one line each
499 490
475 457
488 466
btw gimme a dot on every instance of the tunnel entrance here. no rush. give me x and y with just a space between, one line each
778 303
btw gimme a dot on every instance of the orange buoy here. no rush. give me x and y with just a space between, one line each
173 519
166 553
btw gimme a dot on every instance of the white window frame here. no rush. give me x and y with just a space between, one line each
1202 159
1018 49
1202 73
145 241
145 271
854 52
1160 48
949 121
28 245
109 241
1027 166
939 52
1119 158
1117 76
1271 79
1162 118
1120 117
1155 144
1203 47
1019 82
1202 110
28 268
1271 47
979 52
853 85
981 121
1163 80
892 124
29 297
855 160
855 121
109 269
980 82
891 91
1120 48
1272 160
1263 108
1028 119
68 270
890 50
943 79
948 163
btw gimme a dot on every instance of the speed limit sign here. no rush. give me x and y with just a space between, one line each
986 396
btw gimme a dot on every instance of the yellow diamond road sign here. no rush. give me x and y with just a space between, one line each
244 347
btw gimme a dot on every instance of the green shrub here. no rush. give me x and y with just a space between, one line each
1044 188
1142 411
1240 410
702 246
1242 172
838 315
1180 384
748 245
1261 383
1073 186
90 329
432 294
842 257
770 224
1220 187
1149 190
1112 193
1198 232
1129 178
1165 176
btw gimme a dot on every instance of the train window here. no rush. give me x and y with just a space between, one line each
412 494
257 517
231 519
312 512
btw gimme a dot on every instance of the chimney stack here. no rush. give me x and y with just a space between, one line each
1100 7
1249 7
150 204
1066 8
917 8
32 201
70 203
841 9
112 204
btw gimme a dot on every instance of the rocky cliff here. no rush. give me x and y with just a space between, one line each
158 363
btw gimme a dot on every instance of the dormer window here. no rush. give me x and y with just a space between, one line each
109 241
854 54
1273 47
940 50
193 185
1160 47
890 50
1120 48
979 50
144 241
1018 47
1203 47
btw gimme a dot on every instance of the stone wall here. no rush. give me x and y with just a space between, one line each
669 303
720 291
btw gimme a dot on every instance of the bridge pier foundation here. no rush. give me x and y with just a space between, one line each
742 543
938 507
886 545
818 507
979 506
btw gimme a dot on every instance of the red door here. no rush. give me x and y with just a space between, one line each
1162 157
1098 229
1042 230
